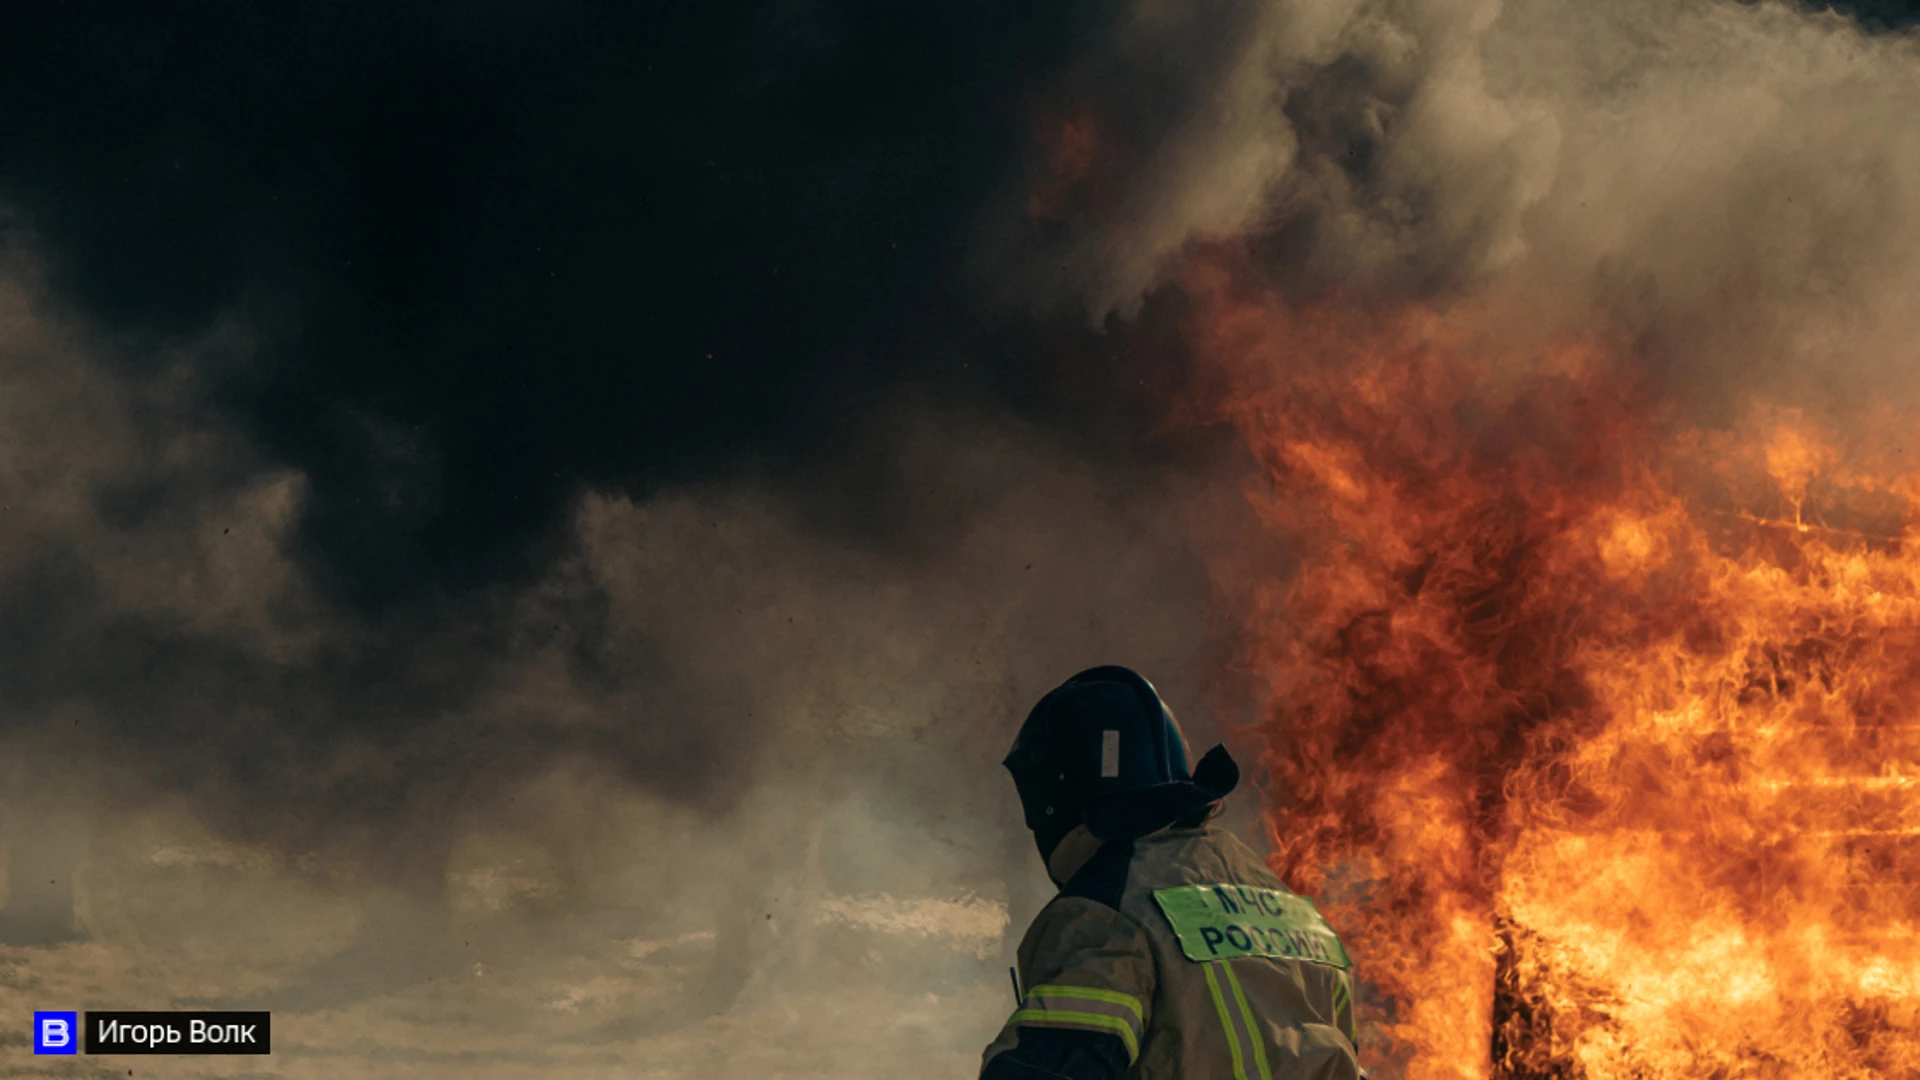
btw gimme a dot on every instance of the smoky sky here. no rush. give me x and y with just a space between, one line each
1876 15
587 492
500 252
526 248
404 397
403 403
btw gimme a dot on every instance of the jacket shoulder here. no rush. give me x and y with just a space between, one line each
1087 942
1245 864
1204 856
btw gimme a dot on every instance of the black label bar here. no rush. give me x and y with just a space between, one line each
178 1033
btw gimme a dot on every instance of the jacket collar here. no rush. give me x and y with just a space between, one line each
1071 853
1079 846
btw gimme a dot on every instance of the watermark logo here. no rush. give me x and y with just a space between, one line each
145 1032
56 1032
115 1032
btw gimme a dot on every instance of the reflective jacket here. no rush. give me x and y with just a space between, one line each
1179 955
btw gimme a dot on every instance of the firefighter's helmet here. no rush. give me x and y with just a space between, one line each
1103 750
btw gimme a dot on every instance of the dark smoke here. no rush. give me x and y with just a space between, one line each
501 486
1727 188
523 496
417 282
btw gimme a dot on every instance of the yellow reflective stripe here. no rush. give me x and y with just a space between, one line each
1246 1013
1226 1022
1060 1018
1089 993
1343 1000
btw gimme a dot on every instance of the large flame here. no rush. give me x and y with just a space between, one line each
1598 736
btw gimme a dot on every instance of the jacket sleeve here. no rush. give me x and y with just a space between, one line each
1090 979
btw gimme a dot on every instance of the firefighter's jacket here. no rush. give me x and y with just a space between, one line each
1179 956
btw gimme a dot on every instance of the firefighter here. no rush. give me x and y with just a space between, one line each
1171 952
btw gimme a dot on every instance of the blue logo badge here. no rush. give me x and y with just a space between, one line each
56 1032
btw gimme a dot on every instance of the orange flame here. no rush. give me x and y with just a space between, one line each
1598 736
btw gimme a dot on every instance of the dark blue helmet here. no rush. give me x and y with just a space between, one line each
1103 750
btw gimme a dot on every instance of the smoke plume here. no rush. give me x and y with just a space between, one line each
527 529
1728 187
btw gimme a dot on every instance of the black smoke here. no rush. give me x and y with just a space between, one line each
449 439
405 402
493 256
542 247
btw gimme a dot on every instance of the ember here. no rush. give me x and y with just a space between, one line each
1598 735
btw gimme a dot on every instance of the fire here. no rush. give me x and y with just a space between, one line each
1596 734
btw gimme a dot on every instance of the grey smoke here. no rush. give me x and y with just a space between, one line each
712 780
1731 188
716 757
